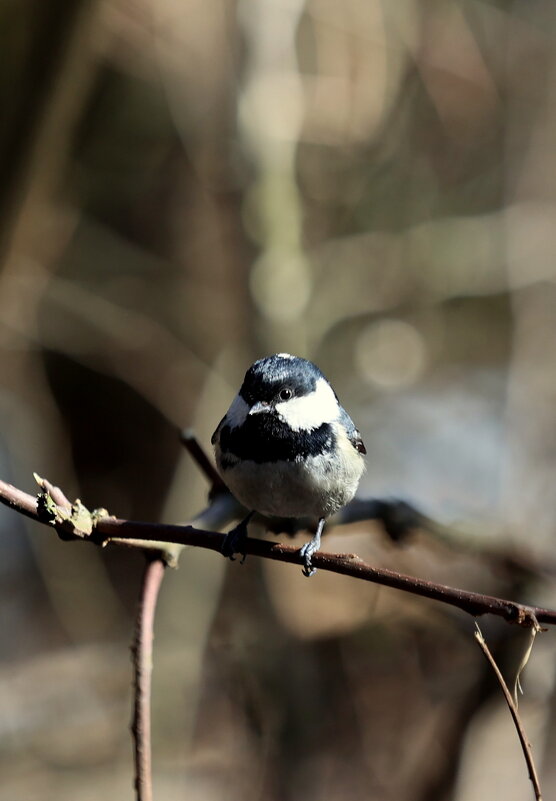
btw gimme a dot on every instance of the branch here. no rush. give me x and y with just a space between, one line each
137 534
525 744
397 517
142 651
197 453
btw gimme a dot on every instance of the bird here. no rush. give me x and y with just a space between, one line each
287 448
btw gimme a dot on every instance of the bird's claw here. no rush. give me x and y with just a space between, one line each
234 542
311 547
306 552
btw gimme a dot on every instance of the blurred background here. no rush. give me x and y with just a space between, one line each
186 186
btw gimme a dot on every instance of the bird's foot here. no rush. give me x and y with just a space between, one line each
306 553
311 547
235 540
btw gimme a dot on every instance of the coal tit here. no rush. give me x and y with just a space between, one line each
287 448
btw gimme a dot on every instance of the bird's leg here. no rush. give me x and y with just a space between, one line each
309 549
235 539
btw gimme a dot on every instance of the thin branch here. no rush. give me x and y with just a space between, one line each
142 651
112 529
525 744
16 499
55 492
198 454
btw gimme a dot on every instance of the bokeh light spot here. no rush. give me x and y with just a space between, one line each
390 353
280 286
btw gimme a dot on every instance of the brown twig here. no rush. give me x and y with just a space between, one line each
142 651
55 492
125 531
198 454
16 499
525 744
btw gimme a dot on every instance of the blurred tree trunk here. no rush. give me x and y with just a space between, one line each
44 99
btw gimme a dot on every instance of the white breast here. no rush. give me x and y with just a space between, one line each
316 487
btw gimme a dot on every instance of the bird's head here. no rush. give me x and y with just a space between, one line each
291 388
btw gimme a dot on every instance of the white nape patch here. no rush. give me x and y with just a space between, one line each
310 411
285 356
237 413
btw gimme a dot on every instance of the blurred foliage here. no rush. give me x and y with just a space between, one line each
186 186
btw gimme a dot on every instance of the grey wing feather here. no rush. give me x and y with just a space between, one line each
217 432
353 434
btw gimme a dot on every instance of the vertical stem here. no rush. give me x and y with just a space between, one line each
142 650
524 742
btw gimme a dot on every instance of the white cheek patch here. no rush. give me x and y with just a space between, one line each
237 413
310 411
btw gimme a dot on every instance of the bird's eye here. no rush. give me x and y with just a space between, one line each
285 393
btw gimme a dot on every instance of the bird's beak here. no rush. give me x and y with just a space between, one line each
261 406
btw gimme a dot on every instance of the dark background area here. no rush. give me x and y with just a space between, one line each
184 187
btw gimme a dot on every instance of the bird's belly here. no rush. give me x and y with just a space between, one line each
315 487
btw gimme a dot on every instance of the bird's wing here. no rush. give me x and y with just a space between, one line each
214 437
353 434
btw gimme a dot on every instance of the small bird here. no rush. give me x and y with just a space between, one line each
286 447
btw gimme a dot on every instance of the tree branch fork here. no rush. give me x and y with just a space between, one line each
74 521
161 544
